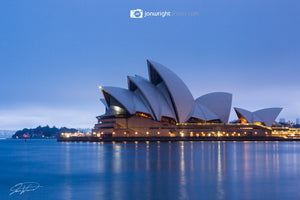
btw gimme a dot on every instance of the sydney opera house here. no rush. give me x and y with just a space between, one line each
163 106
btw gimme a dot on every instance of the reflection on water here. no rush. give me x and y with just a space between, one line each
67 169
220 190
182 175
179 170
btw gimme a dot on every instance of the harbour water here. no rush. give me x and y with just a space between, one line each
177 170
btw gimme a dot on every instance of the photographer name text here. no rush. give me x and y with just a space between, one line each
139 13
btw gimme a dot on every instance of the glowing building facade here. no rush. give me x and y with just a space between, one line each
164 106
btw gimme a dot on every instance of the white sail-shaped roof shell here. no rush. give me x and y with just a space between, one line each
268 115
166 95
154 97
217 102
246 114
104 102
256 119
181 97
201 112
126 98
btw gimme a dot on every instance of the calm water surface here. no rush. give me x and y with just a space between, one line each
179 170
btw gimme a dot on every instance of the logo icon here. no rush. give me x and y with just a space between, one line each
137 13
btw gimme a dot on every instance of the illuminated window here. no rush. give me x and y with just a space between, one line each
141 114
168 119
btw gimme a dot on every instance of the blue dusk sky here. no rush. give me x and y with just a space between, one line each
55 54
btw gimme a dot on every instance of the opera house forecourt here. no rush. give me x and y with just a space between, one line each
163 108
